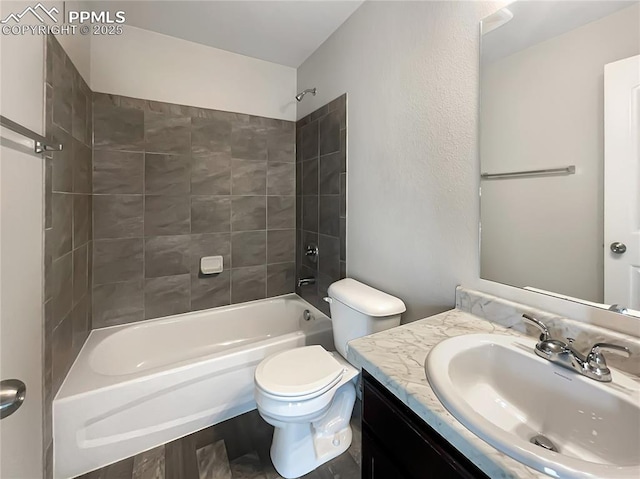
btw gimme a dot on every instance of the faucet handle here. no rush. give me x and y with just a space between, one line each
596 359
544 331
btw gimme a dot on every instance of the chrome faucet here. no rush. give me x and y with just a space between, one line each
593 365
306 281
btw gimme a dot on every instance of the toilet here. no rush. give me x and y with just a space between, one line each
308 393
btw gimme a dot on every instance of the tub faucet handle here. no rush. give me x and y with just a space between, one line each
312 252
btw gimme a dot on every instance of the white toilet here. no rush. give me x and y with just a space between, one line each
308 393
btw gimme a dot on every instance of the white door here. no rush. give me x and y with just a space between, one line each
622 183
21 262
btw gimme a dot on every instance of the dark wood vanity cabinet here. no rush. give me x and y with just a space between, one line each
397 444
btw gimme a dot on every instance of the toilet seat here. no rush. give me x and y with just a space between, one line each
298 374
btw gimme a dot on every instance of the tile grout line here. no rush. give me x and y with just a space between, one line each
317 284
144 241
266 225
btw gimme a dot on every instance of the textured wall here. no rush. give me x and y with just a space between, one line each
321 160
67 259
410 70
172 184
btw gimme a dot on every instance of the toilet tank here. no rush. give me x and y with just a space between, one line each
359 310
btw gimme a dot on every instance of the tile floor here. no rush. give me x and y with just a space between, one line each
235 449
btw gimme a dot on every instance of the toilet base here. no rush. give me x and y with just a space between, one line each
299 448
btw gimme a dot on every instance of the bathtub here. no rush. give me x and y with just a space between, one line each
136 386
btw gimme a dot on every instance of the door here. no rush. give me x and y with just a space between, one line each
622 183
21 249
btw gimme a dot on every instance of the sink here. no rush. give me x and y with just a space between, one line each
501 391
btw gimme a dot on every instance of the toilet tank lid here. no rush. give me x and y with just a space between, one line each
365 299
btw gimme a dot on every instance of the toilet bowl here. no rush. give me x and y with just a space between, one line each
308 393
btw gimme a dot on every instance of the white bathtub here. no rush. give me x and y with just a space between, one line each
136 386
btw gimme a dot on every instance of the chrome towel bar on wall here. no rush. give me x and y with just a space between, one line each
41 144
567 170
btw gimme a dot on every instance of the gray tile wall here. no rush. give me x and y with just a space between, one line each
67 226
321 179
172 184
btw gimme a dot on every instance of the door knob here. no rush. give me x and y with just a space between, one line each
618 248
12 394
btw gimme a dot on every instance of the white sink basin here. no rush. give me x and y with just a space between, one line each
500 390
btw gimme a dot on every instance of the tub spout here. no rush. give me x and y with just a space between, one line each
306 281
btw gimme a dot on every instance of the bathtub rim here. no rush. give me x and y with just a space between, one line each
97 335
226 307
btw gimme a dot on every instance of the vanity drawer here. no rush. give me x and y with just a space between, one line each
395 438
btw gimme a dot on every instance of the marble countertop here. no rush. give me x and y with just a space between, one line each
396 358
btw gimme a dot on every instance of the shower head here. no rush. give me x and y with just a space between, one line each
301 95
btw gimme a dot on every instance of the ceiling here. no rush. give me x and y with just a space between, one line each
283 32
535 22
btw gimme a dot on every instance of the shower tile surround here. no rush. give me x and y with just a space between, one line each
144 189
141 191
172 184
67 227
321 179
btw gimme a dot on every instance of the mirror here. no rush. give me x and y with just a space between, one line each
559 150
